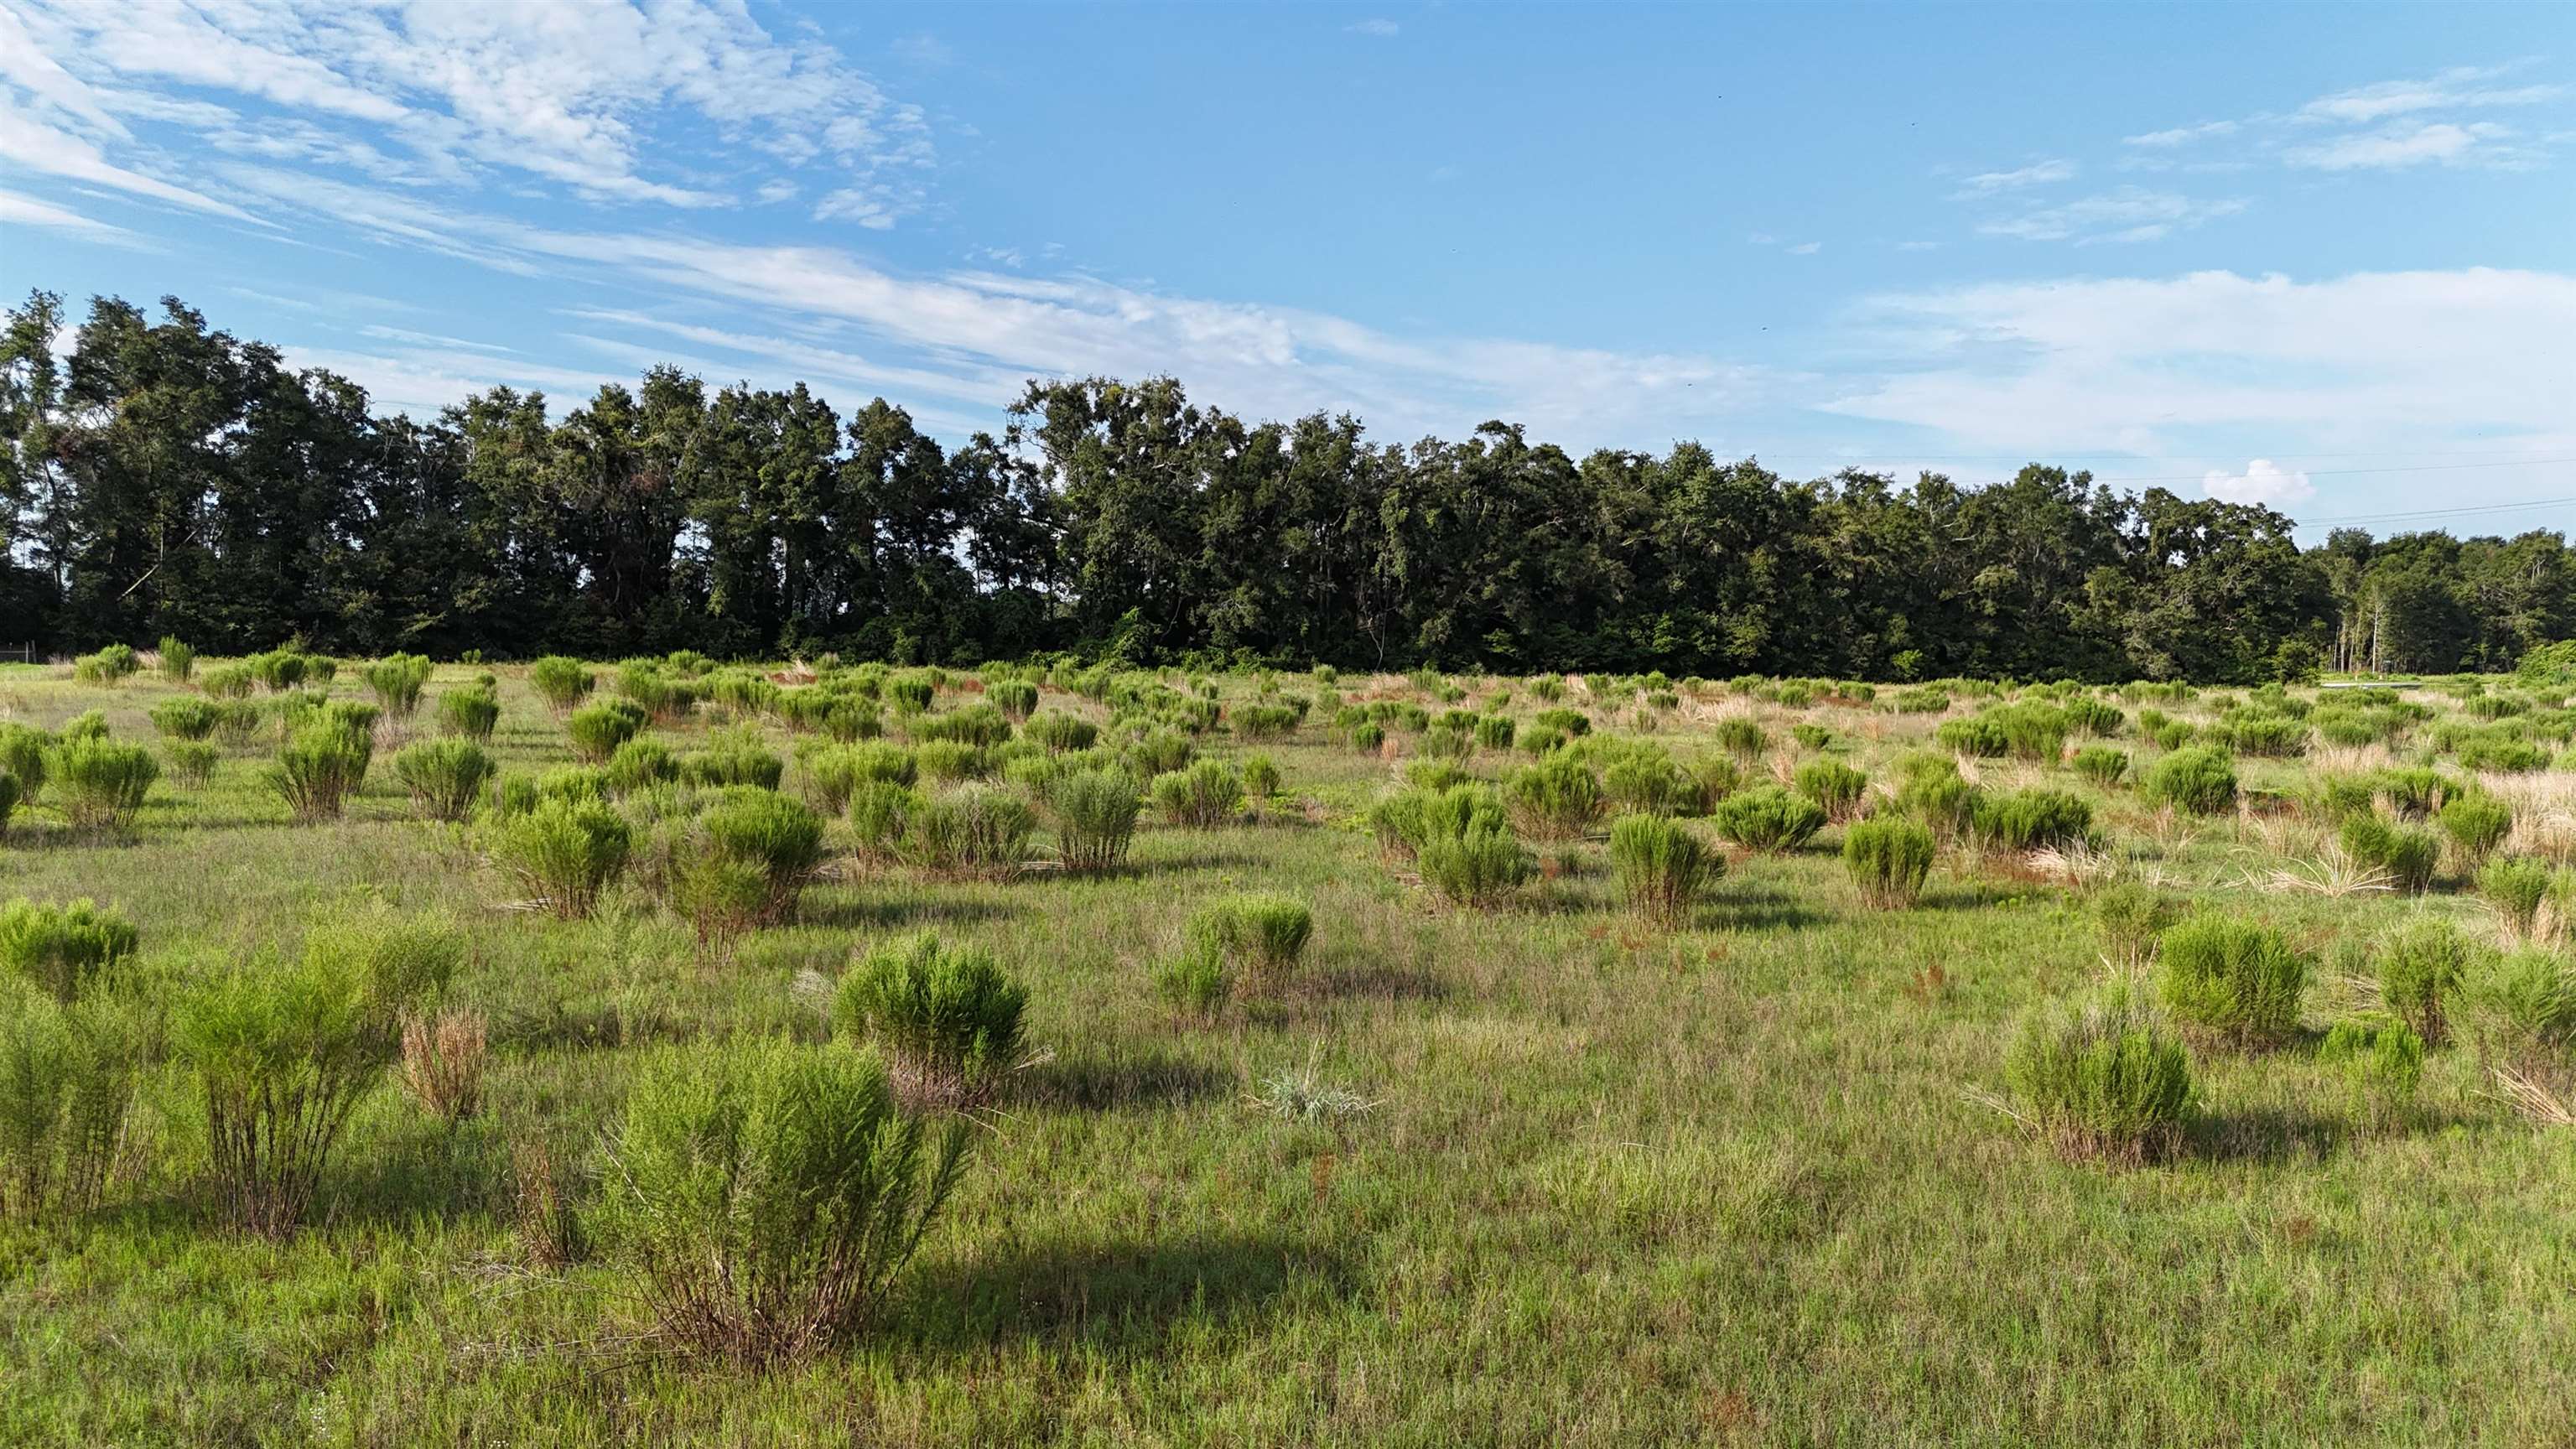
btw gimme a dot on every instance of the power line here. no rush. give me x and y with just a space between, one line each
2438 512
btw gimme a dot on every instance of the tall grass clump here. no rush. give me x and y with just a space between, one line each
1202 797
2382 1061
2420 965
2515 886
1481 867
2237 981
2102 1078
1095 814
178 659
947 1018
317 771
747 860
1245 945
282 1051
565 852
1889 859
597 730
67 1078
396 681
1558 798
99 784
2196 780
561 682
763 1197
1832 784
471 712
974 830
63 950
1661 866
1768 818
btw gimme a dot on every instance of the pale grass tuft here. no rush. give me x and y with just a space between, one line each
442 1062
2331 873
2551 1104
2077 864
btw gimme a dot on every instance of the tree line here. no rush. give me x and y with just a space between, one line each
167 478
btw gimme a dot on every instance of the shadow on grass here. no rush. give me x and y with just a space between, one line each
1381 980
854 912
1146 1078
1114 1298
1756 908
2265 1134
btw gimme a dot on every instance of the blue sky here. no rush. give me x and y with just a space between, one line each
2320 257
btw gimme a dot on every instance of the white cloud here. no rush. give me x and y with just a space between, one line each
2128 214
1380 28
1806 249
17 210
2183 135
2263 481
2038 173
2453 89
2383 360
39 147
2413 144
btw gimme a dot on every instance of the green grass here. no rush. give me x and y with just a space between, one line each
1738 1181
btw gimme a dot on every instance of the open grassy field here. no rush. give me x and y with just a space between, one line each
1541 1170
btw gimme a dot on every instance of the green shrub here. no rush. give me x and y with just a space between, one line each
747 860
1016 699
1556 799
63 949
396 681
566 852
186 718
471 712
445 777
1495 732
2093 717
2408 856
67 1076
2416 794
1832 784
89 724
2102 1078
10 793
1061 732
910 694
1662 868
1202 797
192 762
2196 780
1160 752
972 830
2032 730
2102 764
1810 736
316 772
766 1194
2476 824
24 753
976 724
100 784
1482 867
1095 817
178 659
880 812
640 764
2131 916
733 761
1407 820
561 682
2236 980
1648 782
947 1019
2515 887
1979 736
2420 965
2383 1061
597 730
1248 944
2526 1003
1889 859
1740 737
948 761
110 666
1768 818
2264 736
280 669
2033 819
232 681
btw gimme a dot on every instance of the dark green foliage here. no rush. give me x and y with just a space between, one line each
2237 980
2196 780
444 777
947 1018
1768 818
1889 859
766 1195
24 752
2102 1078
10 793
1662 868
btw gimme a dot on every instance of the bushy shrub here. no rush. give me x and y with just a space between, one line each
67 1075
2102 1078
471 712
1768 818
2263 736
192 762
62 950
2032 730
735 760
1095 816
976 724
2101 764
2197 780
280 669
765 1195
1015 698
10 793
396 681
2515 887
746 860
947 1018
445 777
23 757
1648 782
1662 868
2236 980
909 694
1740 737
1482 867
100 784
597 730
880 812
231 681
2526 1003
2132 916
2408 856
1572 723
186 718
833 772
2476 825
110 666
1160 752
640 764
1556 799
178 659
316 772
1889 859
1240 945
1832 784
2032 819
566 852
1061 732
2382 1060
971 830
1405 821
1979 736
2420 965
2093 717
1495 732
1260 779
1202 797
561 682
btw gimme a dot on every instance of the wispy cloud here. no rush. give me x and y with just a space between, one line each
2460 88
17 210
2446 143
2183 135
2128 214
1382 29
2038 173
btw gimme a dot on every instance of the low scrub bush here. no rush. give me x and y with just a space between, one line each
99 784
946 1018
765 1195
178 659
1556 799
971 830
2132 917
2235 980
566 852
110 666
2516 887
2032 819
1481 867
2196 780
63 950
67 1077
2420 965
1979 737
1768 818
976 724
396 681
2102 1078
2408 856
1740 737
2382 1060
231 681
1059 732
1889 859
442 1061
445 777
2101 764
597 730
317 771
746 861
1202 797
1015 698
733 760
1662 868
186 717
640 764
1832 784
1095 814
1239 945
2476 825
472 712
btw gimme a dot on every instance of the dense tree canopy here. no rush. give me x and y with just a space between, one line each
166 478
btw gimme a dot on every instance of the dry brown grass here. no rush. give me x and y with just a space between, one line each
442 1062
